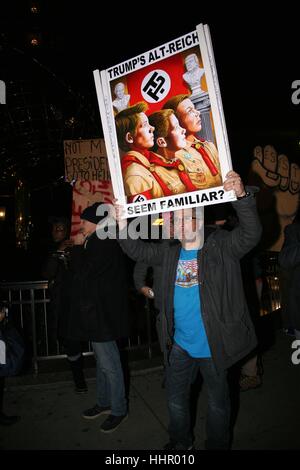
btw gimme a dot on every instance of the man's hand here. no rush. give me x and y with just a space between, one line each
80 239
233 182
117 212
147 292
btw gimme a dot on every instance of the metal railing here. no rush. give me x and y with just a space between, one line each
29 309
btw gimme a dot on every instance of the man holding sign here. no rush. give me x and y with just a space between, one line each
204 316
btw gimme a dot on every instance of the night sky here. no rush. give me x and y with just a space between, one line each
256 57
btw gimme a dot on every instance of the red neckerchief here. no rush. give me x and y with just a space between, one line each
198 145
184 177
155 160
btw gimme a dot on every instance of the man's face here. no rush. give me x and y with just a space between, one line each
168 225
143 137
59 232
176 136
189 116
186 226
87 228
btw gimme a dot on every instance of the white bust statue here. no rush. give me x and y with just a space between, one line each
193 74
122 100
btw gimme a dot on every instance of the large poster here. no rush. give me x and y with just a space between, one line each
164 127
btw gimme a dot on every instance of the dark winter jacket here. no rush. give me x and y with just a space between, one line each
95 292
225 313
289 260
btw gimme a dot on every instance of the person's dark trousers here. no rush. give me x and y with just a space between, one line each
180 374
75 359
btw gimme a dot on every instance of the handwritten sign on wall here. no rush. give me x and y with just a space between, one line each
86 167
86 160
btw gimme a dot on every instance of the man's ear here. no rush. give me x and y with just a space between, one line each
161 142
129 138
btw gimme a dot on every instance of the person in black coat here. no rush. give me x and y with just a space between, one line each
53 270
289 261
95 294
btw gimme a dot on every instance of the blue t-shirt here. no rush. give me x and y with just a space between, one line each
190 333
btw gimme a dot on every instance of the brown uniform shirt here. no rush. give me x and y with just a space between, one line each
196 168
138 177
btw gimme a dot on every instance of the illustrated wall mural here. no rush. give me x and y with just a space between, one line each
279 181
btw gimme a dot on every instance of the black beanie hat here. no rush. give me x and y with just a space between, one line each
89 213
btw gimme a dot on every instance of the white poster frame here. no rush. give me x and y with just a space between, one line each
213 195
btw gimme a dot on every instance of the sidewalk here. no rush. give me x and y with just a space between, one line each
268 417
